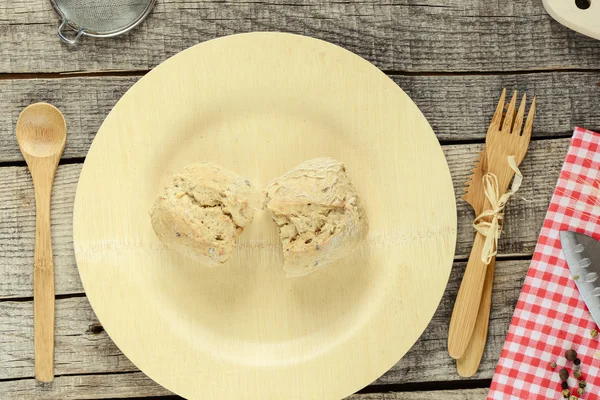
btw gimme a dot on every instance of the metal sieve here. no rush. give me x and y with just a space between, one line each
99 18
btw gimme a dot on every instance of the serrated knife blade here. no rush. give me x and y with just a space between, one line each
582 253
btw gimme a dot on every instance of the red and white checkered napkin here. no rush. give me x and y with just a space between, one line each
550 316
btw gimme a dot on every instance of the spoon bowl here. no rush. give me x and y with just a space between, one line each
41 130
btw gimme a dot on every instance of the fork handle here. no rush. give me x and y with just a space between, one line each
468 364
467 302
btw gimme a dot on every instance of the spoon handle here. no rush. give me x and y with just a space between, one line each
43 283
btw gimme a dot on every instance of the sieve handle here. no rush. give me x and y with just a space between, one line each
64 25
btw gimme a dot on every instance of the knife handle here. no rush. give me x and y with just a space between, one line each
468 364
467 302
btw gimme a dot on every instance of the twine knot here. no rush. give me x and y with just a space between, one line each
493 229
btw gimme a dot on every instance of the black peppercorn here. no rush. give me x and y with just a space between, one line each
564 374
571 355
564 385
577 361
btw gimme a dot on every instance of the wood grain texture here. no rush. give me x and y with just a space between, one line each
82 346
467 394
467 365
136 385
502 142
443 35
457 107
41 133
428 360
437 37
84 102
117 386
17 214
17 231
525 212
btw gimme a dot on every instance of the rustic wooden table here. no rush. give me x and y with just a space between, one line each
452 58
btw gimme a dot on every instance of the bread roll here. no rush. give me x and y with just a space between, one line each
319 214
201 214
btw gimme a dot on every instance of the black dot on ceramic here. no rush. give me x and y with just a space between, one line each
583 4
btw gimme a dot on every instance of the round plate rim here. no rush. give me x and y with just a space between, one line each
77 206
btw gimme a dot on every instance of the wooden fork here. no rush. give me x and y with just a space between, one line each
504 138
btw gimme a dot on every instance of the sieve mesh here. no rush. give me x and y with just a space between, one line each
103 16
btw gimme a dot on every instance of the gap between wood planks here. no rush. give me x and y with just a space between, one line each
71 74
22 163
116 73
427 386
24 378
81 160
536 77
57 297
371 389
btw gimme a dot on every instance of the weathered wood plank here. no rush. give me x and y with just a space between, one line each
117 386
440 35
524 214
82 346
428 360
17 214
85 102
136 384
465 394
458 107
17 231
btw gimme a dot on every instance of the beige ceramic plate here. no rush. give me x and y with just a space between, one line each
580 20
259 104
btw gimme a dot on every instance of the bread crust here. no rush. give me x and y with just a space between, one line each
201 214
319 214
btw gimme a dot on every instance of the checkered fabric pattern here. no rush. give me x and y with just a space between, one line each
550 316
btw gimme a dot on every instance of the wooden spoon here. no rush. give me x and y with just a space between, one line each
42 133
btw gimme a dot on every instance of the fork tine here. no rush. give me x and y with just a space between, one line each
497 118
529 121
519 120
510 114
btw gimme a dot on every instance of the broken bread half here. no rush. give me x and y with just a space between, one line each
201 214
319 214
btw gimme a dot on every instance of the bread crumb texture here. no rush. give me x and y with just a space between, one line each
319 214
201 214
